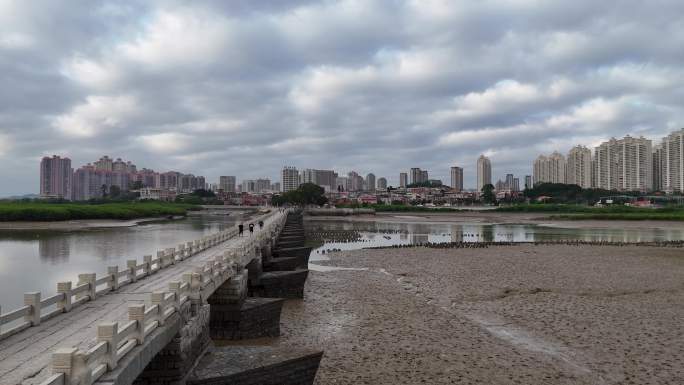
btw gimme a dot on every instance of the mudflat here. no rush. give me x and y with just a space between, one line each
520 314
495 217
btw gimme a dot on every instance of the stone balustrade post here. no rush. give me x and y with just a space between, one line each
137 313
160 257
113 283
188 247
181 252
157 298
32 300
88 278
147 267
63 362
197 246
132 265
80 370
109 333
64 288
174 287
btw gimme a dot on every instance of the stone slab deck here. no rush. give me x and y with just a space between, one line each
25 358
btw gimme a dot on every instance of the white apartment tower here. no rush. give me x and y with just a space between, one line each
579 166
671 159
624 164
403 179
549 169
484 172
290 178
457 178
370 182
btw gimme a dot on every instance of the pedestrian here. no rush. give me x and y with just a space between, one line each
251 228
241 227
261 225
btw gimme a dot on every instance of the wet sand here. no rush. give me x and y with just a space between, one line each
79 224
492 217
502 315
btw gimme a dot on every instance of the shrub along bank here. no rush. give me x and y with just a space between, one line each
43 211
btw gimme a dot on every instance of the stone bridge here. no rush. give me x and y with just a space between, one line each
152 321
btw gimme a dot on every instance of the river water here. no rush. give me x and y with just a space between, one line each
36 260
348 235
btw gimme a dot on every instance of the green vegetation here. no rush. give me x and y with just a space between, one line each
45 211
488 194
571 193
430 183
615 212
305 194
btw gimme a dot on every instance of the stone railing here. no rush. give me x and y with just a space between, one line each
72 366
89 286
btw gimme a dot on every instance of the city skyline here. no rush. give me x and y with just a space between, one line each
128 79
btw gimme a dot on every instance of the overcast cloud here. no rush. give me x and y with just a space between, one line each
245 87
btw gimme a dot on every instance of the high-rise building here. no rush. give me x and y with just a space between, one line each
509 182
550 169
323 178
55 177
457 178
382 183
355 181
290 178
670 156
263 185
104 164
484 172
370 182
416 175
578 166
342 184
659 167
528 181
516 184
227 183
403 179
624 164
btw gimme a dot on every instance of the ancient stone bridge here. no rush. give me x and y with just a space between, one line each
151 322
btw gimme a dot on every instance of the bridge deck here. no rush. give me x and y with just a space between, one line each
25 357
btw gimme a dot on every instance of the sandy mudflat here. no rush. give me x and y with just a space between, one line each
503 315
80 224
493 217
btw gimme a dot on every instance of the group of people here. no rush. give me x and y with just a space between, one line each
241 228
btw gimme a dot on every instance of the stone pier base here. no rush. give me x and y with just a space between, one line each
256 365
256 317
172 365
302 254
281 284
281 264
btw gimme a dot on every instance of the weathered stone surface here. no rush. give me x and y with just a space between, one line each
173 363
281 284
281 264
256 365
302 254
257 317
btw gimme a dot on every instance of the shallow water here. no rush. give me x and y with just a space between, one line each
35 260
346 235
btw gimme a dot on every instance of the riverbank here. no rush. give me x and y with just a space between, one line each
495 217
501 315
47 212
84 224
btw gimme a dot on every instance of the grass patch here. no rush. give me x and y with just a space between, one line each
43 211
401 208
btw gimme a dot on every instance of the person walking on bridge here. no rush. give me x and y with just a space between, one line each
261 225
251 228
241 228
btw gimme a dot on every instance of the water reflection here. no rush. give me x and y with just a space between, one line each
37 260
372 234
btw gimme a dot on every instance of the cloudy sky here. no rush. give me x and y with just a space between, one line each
244 87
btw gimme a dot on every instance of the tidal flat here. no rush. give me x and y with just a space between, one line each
522 314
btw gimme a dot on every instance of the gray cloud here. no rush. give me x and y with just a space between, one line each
243 88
